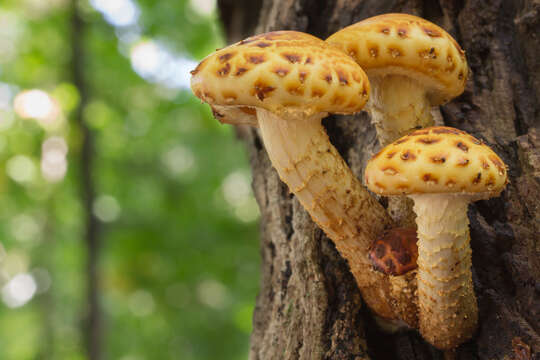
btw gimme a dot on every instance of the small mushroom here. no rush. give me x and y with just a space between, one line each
285 82
395 252
412 65
442 169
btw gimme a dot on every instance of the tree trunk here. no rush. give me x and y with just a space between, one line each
92 316
309 306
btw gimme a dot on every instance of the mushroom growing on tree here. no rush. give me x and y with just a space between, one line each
285 82
442 169
395 254
412 65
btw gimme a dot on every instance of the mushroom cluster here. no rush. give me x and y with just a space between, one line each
285 82
412 65
442 169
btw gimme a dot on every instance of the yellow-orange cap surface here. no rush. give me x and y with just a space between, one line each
407 45
436 160
286 72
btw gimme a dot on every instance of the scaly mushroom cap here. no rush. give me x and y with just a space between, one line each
404 44
438 159
286 72
395 252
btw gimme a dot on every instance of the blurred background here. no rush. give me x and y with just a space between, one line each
128 229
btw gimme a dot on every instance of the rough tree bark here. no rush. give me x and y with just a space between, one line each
309 306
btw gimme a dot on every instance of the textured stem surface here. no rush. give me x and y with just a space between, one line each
397 104
315 172
447 304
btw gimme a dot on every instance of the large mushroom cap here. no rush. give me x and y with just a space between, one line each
436 160
286 72
407 45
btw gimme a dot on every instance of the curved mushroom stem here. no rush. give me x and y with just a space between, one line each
321 180
398 104
448 312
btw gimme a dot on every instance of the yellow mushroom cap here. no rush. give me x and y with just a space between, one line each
286 72
436 160
407 45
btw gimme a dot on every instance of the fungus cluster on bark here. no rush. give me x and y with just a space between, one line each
303 79
442 169
285 82
412 65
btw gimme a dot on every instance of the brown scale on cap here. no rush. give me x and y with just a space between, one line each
406 43
395 252
282 72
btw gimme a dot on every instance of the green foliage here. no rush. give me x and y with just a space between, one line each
179 260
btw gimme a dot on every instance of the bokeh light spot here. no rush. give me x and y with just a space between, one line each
98 114
25 228
153 62
41 8
213 294
21 169
236 190
7 118
11 28
106 208
236 187
179 160
15 262
35 104
19 290
117 12
67 95
53 158
141 303
203 7
6 94
146 58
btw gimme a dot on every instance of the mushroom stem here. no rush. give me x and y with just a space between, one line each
309 164
448 312
398 104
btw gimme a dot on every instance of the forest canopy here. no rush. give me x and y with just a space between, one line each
170 205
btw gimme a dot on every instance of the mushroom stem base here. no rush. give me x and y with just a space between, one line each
448 312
